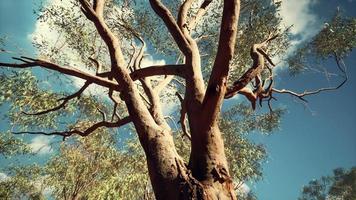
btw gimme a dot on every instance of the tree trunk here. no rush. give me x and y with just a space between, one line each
205 178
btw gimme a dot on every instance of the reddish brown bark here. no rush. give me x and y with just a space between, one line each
206 176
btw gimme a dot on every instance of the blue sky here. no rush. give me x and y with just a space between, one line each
312 141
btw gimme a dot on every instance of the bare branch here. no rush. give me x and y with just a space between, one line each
172 26
258 56
30 62
307 93
200 14
301 96
102 114
183 12
86 132
112 42
183 113
177 70
99 7
65 101
215 92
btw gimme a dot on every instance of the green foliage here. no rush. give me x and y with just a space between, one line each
257 21
246 158
21 93
336 39
24 182
93 168
340 186
11 145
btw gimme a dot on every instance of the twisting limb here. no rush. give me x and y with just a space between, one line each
307 93
95 14
183 112
167 79
258 56
116 103
99 69
31 62
153 97
86 132
65 100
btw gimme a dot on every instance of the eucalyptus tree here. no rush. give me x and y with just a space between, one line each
113 38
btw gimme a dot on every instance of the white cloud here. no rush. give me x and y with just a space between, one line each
300 15
305 25
41 145
3 176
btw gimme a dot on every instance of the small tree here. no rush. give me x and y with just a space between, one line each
124 28
339 186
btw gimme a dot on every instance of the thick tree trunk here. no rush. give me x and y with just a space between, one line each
205 178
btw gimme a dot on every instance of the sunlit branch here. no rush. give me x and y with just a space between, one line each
172 26
200 14
177 70
161 85
258 56
30 62
112 42
183 12
215 91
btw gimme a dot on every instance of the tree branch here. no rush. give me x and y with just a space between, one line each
30 62
86 132
112 42
183 12
307 93
215 92
258 56
200 14
172 26
163 83
65 101
177 70
182 120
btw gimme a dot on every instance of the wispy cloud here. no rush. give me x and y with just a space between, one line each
300 15
41 145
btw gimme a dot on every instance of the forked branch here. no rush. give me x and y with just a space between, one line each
64 101
172 26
